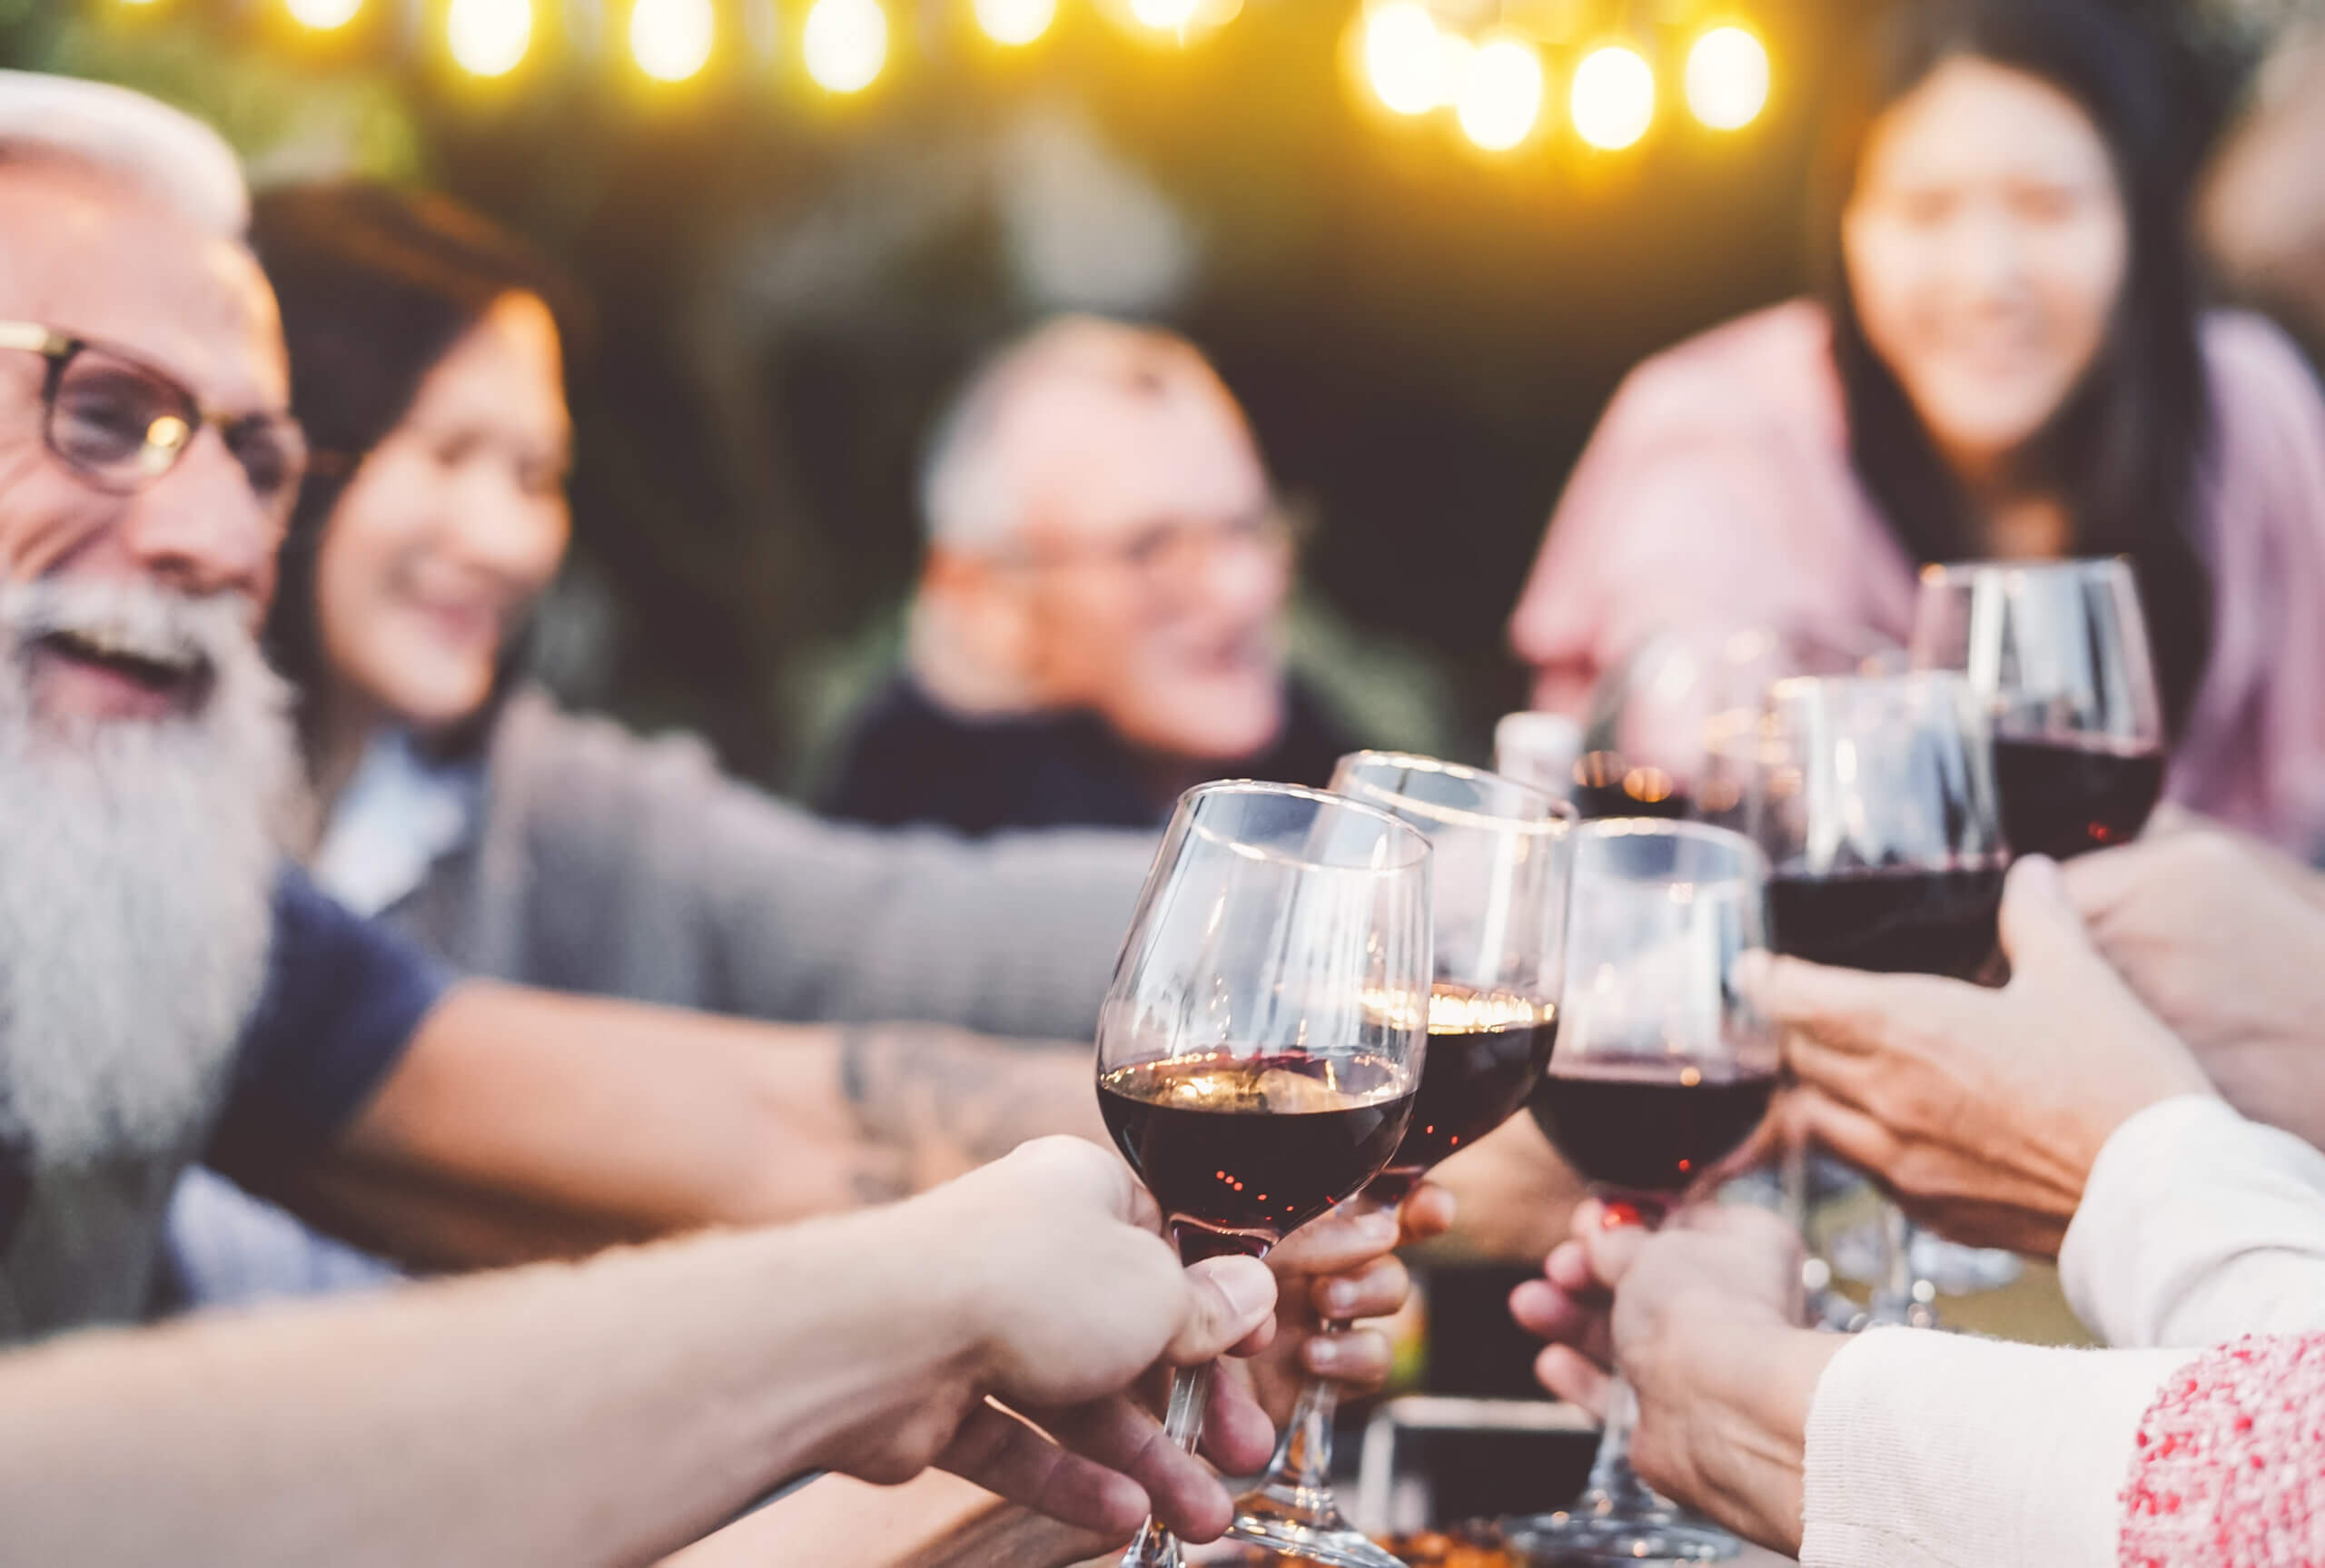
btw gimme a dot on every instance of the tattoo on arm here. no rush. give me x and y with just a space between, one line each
949 1100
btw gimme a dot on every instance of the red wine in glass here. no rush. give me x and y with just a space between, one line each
1487 1050
1891 919
1644 1127
2066 795
1242 1151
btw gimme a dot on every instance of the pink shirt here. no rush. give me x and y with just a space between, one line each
1718 488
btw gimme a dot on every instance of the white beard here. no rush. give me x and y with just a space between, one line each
137 866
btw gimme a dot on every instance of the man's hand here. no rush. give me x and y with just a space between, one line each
1061 1293
1982 1109
1703 1320
2223 940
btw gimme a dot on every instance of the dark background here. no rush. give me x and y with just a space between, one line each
1423 334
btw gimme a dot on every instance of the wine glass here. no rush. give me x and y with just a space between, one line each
1499 851
2059 652
1662 1071
1261 1042
1876 806
1540 749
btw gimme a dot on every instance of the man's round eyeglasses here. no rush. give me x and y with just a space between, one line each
121 423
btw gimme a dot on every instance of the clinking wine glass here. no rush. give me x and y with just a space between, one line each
1262 1040
1662 1071
1499 853
1876 806
2058 650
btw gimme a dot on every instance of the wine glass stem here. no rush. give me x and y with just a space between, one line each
1155 1546
1303 1460
1900 1299
1615 1487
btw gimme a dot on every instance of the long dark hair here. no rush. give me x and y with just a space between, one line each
377 285
2125 450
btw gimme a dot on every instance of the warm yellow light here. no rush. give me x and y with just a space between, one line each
138 3
489 37
324 15
1613 100
670 39
1400 57
1501 93
846 44
1015 22
1728 78
1164 15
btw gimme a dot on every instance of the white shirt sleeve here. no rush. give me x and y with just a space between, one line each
2198 1226
1931 1450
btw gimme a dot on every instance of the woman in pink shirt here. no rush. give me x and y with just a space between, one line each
2011 363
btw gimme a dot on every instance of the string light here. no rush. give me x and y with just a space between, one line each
671 39
1164 15
846 44
324 15
489 37
1501 93
1401 57
1613 100
1015 22
1728 78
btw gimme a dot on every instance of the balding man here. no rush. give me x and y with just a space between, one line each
1100 622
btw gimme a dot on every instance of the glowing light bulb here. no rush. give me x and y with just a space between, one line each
1015 22
670 39
1613 101
1728 78
489 37
846 44
1402 56
1501 93
324 15
1164 15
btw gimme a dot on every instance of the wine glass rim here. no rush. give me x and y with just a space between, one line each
2065 565
1555 816
1414 843
1613 827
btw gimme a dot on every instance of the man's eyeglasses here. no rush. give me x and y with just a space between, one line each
1169 552
121 424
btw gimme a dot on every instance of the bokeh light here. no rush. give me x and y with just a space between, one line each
1613 101
1015 22
1164 15
846 44
324 15
489 37
1728 78
1401 57
1501 93
670 39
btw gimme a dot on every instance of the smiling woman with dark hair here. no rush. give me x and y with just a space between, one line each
2010 361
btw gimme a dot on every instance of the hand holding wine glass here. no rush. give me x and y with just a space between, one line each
1261 1045
1662 1069
1499 857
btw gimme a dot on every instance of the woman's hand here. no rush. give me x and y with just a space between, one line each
1340 1268
1703 1318
2224 941
1982 1109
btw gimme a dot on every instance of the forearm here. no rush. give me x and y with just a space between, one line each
562 1415
945 1101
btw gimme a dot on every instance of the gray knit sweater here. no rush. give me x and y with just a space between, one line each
611 864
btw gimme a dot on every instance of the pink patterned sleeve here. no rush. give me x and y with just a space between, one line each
2228 1469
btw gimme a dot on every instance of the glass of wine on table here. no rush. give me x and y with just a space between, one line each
2058 650
1261 1042
1499 851
1877 807
1662 1071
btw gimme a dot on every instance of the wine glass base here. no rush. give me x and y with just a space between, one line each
1548 1540
1312 1536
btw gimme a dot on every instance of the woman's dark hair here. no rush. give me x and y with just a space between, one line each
377 286
2124 451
